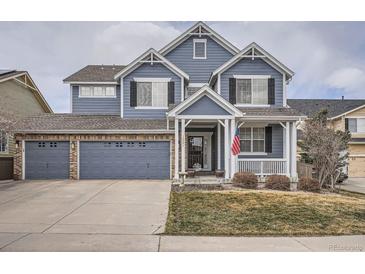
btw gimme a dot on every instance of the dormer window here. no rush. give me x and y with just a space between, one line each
200 49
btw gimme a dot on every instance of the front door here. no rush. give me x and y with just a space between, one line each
195 152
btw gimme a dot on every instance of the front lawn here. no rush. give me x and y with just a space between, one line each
264 213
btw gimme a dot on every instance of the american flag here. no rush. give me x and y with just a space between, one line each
236 148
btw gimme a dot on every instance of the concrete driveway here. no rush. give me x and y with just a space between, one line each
355 185
83 215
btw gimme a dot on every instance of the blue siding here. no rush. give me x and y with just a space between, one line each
277 144
253 67
148 71
205 106
199 70
110 106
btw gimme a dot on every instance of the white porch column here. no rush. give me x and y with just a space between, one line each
287 147
226 149
176 177
182 145
294 152
219 146
233 157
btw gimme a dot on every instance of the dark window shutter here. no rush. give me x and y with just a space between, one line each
232 90
346 124
271 91
133 94
171 93
268 139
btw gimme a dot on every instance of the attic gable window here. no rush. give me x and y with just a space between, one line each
200 49
97 92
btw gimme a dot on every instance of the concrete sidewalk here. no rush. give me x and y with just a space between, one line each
354 185
113 242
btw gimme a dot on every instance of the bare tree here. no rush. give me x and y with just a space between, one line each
325 148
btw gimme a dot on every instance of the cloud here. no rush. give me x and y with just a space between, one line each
351 80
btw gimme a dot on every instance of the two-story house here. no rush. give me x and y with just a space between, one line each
167 111
343 114
19 98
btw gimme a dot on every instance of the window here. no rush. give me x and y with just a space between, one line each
356 125
199 49
252 90
4 139
252 139
152 94
86 91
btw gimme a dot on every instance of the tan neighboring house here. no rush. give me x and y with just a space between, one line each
343 114
19 98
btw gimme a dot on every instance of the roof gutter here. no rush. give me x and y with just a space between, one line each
102 131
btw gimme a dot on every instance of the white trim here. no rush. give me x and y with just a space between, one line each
101 131
210 32
197 85
284 91
262 159
11 77
355 117
205 90
252 76
152 80
89 83
219 84
356 155
23 159
176 149
121 97
136 63
250 105
182 89
205 117
251 152
294 174
71 98
183 144
150 107
205 48
98 96
287 144
226 149
241 55
345 113
233 157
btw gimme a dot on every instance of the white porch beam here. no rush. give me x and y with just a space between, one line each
226 149
287 146
188 122
281 123
294 152
176 149
219 145
233 157
219 121
182 145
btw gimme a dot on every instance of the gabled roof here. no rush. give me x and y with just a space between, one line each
24 78
95 73
205 91
151 56
335 107
253 50
202 29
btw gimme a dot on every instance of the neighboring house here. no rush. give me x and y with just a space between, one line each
168 111
343 115
19 98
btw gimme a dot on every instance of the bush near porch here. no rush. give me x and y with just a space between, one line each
264 213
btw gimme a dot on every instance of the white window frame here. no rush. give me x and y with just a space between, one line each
152 80
252 77
357 122
6 151
94 96
205 48
251 152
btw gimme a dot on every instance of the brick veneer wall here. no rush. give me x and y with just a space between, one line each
74 140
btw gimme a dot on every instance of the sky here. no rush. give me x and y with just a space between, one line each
328 58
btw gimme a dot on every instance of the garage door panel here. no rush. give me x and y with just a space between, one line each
47 160
129 160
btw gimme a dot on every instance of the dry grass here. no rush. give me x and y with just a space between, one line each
264 213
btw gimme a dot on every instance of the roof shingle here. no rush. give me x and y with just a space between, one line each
95 73
334 107
269 111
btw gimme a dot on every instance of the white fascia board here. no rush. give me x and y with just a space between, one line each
136 63
159 80
205 90
103 131
348 112
238 57
185 35
274 118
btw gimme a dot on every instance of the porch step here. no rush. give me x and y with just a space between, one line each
203 180
205 173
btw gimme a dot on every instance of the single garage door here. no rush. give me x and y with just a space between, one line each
125 160
47 160
356 166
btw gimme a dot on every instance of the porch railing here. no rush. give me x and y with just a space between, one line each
263 167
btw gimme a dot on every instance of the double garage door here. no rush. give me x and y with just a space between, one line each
99 160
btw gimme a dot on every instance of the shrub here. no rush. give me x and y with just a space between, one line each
245 180
278 182
309 184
